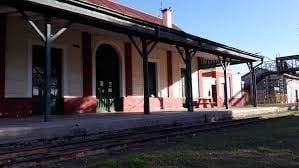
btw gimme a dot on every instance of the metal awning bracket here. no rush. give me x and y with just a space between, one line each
147 45
224 63
61 31
32 24
193 53
135 44
144 51
181 52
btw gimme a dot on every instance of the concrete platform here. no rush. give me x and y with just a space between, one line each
27 129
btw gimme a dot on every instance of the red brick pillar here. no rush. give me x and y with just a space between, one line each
128 69
87 64
200 90
217 82
169 74
231 87
2 60
2 54
86 104
128 100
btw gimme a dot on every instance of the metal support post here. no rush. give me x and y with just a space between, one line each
144 52
187 54
253 90
225 64
189 82
48 39
146 107
47 73
225 85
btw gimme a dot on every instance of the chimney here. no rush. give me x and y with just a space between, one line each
167 17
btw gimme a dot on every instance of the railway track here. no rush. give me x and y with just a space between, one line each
34 155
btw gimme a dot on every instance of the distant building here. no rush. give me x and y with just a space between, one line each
272 87
292 88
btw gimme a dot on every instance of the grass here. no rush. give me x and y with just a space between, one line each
270 144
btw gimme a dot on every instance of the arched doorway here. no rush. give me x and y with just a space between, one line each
107 79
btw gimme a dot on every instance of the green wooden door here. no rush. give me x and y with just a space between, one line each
38 66
107 79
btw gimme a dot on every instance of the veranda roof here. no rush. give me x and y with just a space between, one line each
87 13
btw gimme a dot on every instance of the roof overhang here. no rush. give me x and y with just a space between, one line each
90 14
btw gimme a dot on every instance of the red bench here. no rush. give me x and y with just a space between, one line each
205 102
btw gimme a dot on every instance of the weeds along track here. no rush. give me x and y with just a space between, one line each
27 155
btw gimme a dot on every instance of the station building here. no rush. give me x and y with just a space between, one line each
96 63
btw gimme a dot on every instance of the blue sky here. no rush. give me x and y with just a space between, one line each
267 26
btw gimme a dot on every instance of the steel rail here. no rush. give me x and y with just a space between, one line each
54 153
